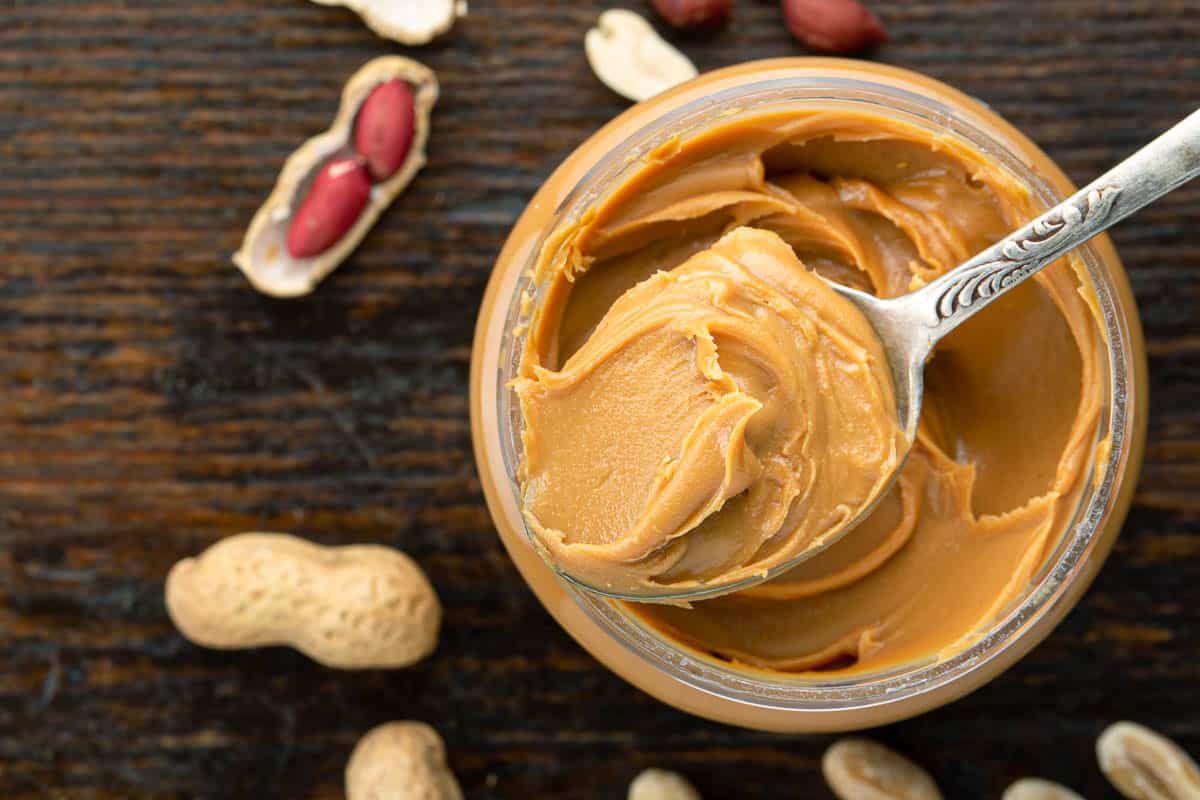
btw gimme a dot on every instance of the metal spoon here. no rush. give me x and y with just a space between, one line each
911 325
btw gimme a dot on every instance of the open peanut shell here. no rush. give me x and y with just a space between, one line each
263 256
411 22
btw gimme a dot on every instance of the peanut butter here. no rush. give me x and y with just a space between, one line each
698 405
767 424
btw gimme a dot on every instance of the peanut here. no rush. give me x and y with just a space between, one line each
1144 765
347 607
383 132
400 761
859 769
631 59
661 784
338 195
411 22
1038 789
833 26
694 13
295 240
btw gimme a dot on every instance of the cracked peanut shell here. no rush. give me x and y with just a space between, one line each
263 256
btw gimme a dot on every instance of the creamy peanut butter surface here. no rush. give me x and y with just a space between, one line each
720 418
698 405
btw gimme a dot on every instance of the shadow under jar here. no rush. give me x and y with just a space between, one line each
1029 446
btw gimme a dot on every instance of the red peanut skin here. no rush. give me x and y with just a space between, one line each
383 132
338 195
705 14
833 26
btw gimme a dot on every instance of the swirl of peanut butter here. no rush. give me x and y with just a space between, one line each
699 405
719 419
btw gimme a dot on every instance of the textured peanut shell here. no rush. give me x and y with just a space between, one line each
1145 765
400 761
353 607
859 769
411 22
263 256
661 784
630 58
1038 789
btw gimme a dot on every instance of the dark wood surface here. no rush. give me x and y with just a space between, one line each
151 402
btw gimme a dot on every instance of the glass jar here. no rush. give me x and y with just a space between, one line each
669 670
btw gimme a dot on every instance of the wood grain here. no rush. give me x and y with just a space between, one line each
151 402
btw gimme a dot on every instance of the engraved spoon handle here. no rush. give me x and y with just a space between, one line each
1164 164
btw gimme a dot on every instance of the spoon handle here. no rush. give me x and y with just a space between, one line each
1164 164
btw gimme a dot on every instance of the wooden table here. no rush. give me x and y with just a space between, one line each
151 402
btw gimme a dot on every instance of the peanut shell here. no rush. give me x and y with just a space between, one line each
860 769
1038 789
661 784
411 22
629 57
1145 765
356 607
263 256
400 761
